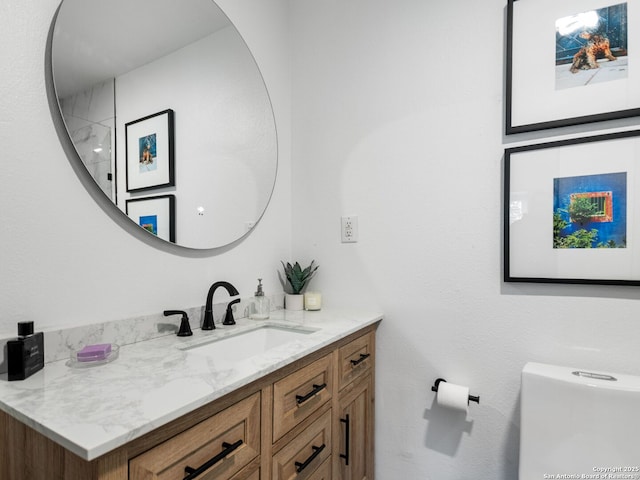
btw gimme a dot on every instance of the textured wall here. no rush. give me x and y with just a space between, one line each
398 118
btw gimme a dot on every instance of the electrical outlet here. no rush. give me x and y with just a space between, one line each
350 229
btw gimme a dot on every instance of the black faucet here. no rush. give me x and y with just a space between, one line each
228 318
185 328
208 323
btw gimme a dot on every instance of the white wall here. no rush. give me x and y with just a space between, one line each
398 118
64 261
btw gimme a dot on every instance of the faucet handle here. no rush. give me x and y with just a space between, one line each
185 328
228 318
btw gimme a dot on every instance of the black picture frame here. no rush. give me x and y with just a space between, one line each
541 91
154 214
571 211
149 146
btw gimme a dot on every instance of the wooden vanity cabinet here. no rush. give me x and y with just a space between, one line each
290 424
323 472
300 394
248 474
355 431
354 410
355 359
218 447
306 452
302 437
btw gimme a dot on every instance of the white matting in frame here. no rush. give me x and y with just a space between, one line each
150 152
535 101
154 214
530 254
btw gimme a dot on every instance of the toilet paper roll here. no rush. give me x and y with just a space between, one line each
453 396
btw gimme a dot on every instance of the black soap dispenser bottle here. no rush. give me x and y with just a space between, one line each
25 354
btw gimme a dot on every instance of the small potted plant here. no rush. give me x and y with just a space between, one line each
297 279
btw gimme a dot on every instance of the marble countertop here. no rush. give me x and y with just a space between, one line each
91 411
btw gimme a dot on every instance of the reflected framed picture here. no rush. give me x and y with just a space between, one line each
568 63
149 152
155 214
571 214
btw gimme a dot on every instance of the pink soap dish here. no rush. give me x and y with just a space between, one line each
93 355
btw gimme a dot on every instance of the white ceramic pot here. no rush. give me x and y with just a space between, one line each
293 301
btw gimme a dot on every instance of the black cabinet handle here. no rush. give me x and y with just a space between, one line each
347 437
363 357
228 448
300 399
305 464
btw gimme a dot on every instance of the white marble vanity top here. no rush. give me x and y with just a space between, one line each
91 411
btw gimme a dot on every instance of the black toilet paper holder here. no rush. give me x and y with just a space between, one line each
472 398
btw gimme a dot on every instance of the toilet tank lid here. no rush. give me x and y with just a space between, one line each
580 376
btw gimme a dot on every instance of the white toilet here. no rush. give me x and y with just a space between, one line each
578 424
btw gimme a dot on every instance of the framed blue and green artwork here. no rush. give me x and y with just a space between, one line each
156 215
571 214
150 152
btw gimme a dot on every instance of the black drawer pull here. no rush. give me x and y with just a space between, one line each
347 435
305 464
194 472
300 399
363 357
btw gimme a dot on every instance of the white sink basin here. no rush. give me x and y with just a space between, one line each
247 344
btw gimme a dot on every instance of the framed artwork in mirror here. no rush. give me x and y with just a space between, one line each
568 63
570 211
154 214
149 152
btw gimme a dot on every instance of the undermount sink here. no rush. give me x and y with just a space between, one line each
247 344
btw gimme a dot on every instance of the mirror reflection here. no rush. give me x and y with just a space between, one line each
169 113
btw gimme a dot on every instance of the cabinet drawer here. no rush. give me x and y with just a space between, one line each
301 457
355 359
254 476
323 472
231 438
248 473
301 393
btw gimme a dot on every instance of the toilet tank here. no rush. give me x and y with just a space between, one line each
578 424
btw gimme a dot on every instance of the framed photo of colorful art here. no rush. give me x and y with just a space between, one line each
568 62
571 214
155 214
149 152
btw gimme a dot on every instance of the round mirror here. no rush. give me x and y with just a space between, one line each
168 111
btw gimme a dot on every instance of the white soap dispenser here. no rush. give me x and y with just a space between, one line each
261 305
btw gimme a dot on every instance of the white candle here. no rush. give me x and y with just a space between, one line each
312 301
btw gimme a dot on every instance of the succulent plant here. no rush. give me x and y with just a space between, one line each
297 277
